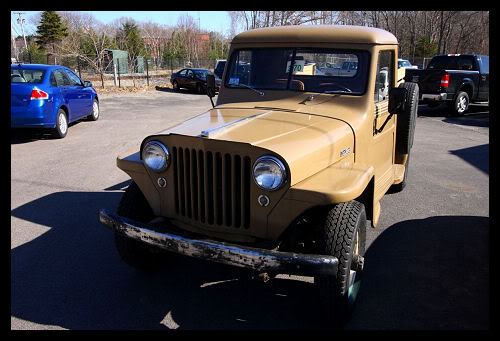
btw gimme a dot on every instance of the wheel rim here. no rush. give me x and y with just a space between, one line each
175 85
354 284
63 124
462 104
95 110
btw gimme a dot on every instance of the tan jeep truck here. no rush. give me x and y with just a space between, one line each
284 172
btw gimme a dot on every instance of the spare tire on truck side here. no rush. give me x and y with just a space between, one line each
407 117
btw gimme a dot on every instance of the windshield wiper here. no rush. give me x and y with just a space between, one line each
344 91
248 86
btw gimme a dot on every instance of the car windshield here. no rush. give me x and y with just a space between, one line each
404 63
26 75
314 70
202 74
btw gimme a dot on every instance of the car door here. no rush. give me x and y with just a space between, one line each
181 78
190 80
382 148
83 95
68 96
484 78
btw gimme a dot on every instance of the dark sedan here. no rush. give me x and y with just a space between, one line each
191 78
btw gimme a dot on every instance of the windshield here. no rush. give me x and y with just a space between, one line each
26 76
314 70
404 63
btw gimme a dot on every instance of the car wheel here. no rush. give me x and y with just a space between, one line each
175 85
95 111
199 88
461 103
133 205
61 124
343 235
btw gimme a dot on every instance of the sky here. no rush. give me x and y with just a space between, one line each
217 21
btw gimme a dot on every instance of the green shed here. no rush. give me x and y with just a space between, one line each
139 65
118 57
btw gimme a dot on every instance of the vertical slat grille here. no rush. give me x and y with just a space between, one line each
212 188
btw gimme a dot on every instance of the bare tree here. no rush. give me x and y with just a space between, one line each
87 40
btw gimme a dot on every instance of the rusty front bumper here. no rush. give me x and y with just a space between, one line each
260 260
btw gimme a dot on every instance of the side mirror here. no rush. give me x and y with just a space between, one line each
397 99
87 84
211 86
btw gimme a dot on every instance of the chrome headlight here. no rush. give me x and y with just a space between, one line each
155 155
269 172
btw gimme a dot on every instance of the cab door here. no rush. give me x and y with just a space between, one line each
384 125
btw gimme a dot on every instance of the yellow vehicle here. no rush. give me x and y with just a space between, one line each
286 170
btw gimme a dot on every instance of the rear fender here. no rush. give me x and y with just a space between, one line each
467 85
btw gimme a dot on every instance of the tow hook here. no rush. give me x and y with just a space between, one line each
358 262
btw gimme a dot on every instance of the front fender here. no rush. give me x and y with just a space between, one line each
340 182
131 163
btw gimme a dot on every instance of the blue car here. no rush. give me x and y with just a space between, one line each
50 96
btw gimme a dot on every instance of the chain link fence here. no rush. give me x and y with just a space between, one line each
119 71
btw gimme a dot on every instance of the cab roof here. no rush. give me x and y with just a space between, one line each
317 34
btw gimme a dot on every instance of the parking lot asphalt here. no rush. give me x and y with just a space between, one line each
426 265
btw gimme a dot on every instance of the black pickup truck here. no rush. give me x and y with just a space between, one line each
455 79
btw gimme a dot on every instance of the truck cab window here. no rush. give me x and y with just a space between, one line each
385 69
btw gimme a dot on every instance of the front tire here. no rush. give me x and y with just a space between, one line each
175 85
61 129
343 235
95 111
136 254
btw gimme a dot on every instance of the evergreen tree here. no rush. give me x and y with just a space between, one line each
50 31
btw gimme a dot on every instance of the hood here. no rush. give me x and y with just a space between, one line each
307 142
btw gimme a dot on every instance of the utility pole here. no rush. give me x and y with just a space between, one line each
14 41
21 22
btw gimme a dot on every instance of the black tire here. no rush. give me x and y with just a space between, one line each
399 187
405 128
61 129
138 255
343 235
460 105
94 116
199 88
175 85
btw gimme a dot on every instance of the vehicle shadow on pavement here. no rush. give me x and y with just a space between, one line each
180 91
427 274
71 276
477 156
420 274
26 135
476 115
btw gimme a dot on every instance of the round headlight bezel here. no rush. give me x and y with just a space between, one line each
276 161
165 151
